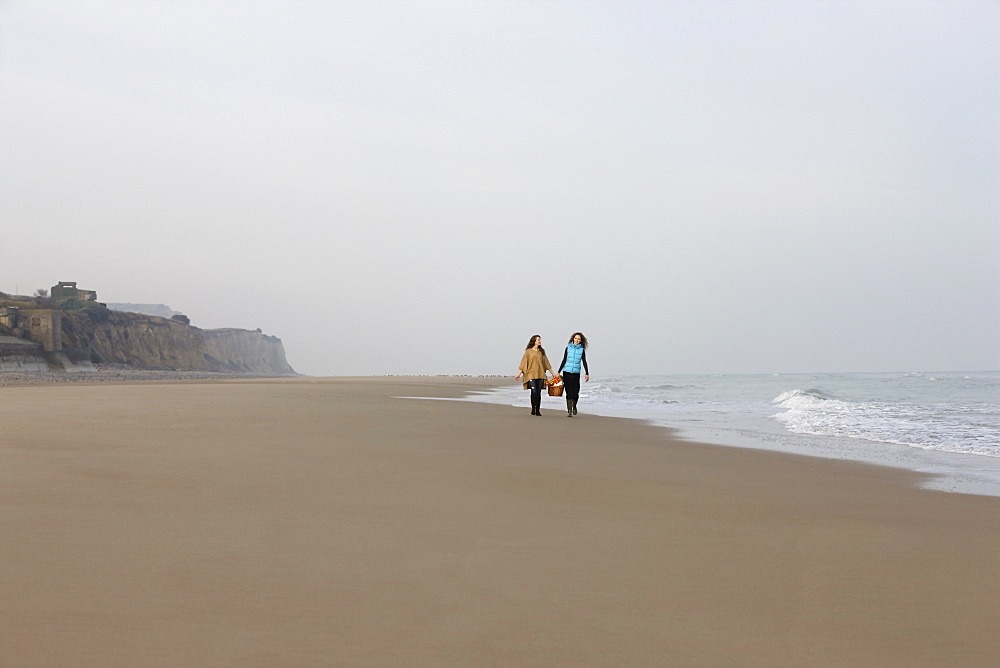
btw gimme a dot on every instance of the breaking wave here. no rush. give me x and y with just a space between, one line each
965 428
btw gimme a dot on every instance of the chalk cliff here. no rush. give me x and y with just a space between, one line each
92 333
242 350
151 342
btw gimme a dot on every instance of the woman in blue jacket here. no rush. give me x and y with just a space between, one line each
574 357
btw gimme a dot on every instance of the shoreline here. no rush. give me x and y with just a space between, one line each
953 472
325 520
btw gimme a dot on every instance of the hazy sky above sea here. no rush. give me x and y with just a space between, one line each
418 187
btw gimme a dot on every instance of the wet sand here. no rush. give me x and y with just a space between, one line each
324 522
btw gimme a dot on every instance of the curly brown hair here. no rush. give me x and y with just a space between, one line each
583 339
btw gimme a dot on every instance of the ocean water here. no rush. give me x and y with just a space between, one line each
944 424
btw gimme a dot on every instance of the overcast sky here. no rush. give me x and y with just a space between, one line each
418 187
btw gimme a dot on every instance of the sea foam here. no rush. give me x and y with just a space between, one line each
962 428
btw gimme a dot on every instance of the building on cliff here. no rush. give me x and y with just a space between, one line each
37 344
68 290
39 325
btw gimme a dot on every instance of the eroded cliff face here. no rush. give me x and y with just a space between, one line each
112 337
244 351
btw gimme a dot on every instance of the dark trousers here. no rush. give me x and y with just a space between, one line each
536 385
572 382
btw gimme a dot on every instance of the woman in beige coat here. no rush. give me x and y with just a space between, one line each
534 365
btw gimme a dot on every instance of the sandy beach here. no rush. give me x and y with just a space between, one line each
308 521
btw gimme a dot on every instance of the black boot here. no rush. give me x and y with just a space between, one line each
574 406
569 407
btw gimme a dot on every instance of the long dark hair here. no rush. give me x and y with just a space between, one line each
531 343
583 339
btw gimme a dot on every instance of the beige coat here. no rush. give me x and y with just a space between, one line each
534 364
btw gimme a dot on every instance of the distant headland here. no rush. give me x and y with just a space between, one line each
66 329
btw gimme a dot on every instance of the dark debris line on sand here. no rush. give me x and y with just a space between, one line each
113 373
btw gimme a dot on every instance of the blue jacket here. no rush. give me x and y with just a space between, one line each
572 359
